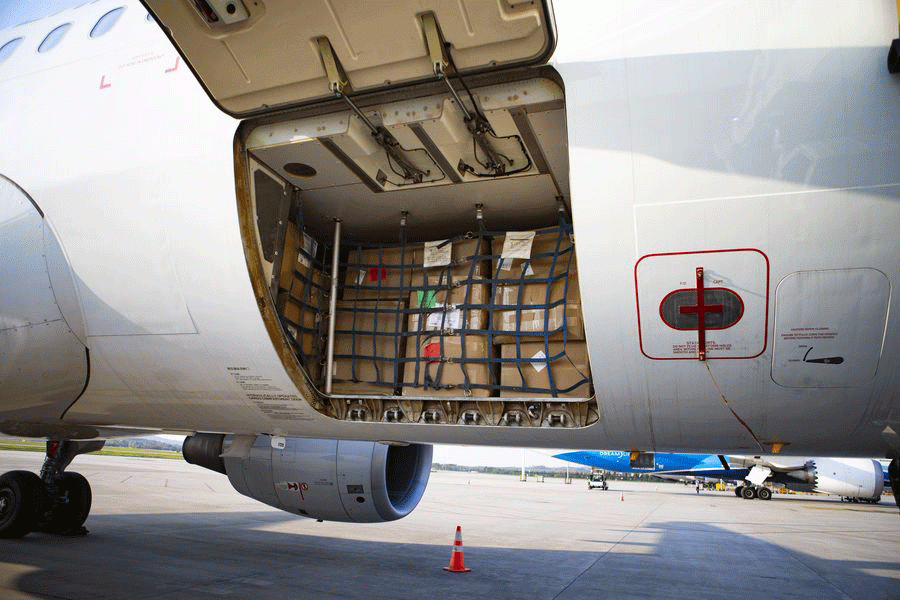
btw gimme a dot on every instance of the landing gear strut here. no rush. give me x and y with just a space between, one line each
894 476
749 492
54 502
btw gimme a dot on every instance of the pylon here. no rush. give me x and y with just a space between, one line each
622 499
456 556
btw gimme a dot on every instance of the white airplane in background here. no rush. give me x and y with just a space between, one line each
854 479
731 172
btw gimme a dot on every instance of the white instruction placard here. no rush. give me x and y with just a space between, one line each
517 244
437 255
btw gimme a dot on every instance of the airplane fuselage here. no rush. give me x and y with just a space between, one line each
764 154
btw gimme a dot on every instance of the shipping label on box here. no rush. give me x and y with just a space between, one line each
551 255
308 248
454 261
445 312
517 244
438 254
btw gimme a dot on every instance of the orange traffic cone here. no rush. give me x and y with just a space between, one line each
622 499
456 557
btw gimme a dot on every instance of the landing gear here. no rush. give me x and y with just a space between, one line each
56 502
894 476
73 504
749 492
21 498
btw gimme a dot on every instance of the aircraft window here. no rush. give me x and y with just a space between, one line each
107 22
722 309
7 49
54 37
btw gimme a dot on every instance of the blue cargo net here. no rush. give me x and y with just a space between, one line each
473 325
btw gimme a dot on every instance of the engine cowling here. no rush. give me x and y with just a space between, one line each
332 480
850 477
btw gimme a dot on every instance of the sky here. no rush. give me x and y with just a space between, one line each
489 456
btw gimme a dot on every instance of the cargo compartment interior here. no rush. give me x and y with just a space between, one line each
456 299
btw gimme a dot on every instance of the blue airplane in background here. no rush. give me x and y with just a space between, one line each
851 478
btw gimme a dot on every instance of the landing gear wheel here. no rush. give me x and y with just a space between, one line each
738 491
21 498
764 493
749 492
72 506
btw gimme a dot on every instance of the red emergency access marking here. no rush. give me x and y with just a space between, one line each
103 83
298 487
701 308
175 68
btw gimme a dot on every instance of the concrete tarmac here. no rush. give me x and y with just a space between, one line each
163 529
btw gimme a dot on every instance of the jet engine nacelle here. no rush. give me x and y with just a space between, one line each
332 480
850 477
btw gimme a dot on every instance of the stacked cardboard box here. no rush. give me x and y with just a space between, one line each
435 365
301 297
442 262
399 324
445 298
304 324
368 342
380 273
543 308
533 366
546 254
538 276
544 290
299 255
448 310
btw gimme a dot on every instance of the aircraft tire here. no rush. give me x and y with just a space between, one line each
748 493
21 497
738 491
894 57
72 507
764 493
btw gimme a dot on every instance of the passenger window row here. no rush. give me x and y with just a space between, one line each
104 25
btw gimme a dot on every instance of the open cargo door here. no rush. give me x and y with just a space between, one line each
402 189
256 56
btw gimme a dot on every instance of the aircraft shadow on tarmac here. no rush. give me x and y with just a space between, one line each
216 555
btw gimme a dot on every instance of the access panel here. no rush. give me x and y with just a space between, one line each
829 327
702 305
